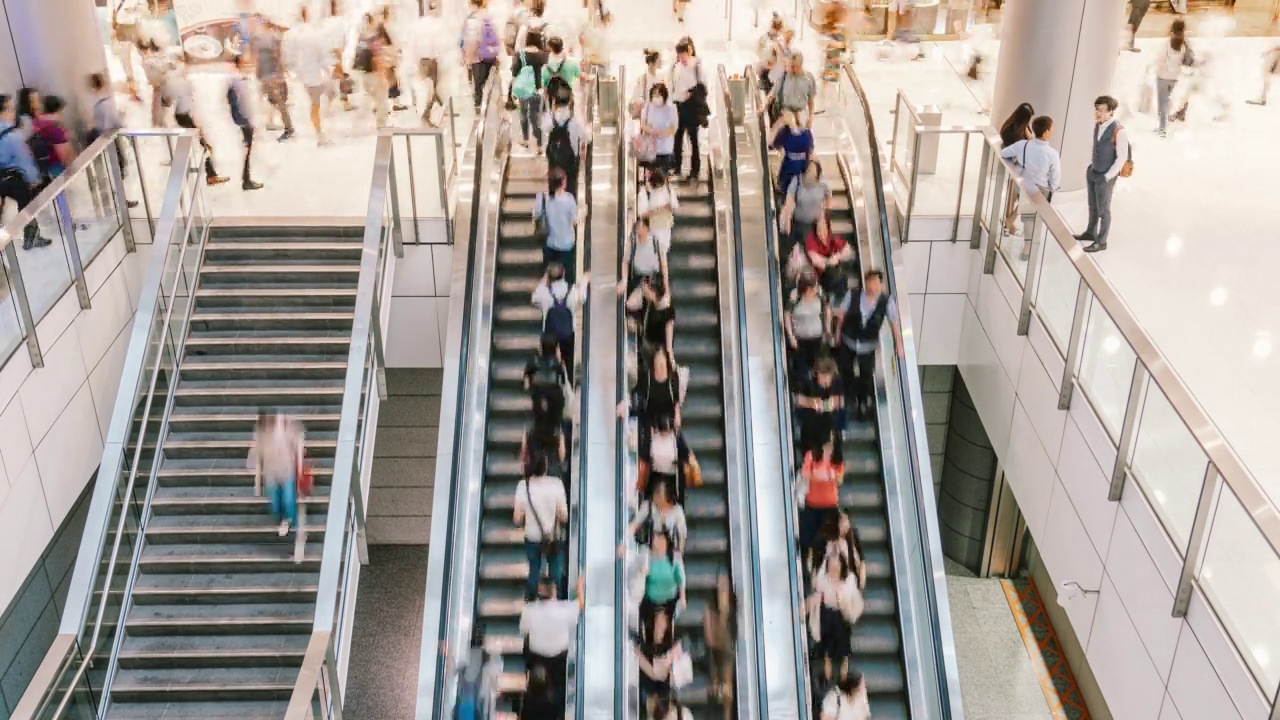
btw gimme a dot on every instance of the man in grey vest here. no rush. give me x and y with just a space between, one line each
1110 152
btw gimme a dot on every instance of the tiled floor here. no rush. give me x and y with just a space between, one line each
382 681
998 680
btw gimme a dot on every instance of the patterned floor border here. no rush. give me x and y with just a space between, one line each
1056 679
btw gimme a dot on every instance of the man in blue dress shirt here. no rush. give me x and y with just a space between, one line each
19 178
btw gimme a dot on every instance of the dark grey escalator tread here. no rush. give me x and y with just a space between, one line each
235 710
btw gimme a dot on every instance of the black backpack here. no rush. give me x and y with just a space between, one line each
560 152
559 320
545 388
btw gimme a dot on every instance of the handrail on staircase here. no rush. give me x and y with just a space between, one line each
149 344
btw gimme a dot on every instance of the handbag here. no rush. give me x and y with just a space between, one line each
681 669
540 230
692 472
797 263
306 479
550 540
644 145
642 476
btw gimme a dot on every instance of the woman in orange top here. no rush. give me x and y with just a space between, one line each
820 478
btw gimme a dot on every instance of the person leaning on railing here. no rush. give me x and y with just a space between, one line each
19 176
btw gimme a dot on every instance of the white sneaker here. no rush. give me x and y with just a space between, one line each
284 528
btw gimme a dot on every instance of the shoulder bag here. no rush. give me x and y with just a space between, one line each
550 540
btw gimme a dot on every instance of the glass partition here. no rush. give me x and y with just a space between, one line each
1106 368
1168 464
1056 293
1241 578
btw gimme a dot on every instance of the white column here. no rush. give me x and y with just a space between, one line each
1059 55
58 45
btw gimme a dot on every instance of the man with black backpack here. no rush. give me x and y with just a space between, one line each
559 304
566 137
19 177
545 379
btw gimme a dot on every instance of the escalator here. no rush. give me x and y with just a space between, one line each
880 489
220 613
517 327
695 293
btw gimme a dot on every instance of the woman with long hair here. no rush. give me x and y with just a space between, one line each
834 606
1016 127
1175 56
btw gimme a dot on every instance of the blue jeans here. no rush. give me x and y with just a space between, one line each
555 568
284 500
1164 92
530 110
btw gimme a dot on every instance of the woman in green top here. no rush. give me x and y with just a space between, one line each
664 583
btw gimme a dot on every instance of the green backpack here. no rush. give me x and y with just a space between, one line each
525 85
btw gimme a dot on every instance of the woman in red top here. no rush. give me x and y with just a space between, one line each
825 248
820 477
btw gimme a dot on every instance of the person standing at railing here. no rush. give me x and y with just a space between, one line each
19 176
1040 164
860 339
1110 160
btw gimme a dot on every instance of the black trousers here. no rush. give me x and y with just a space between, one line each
556 667
687 125
859 372
16 188
479 78
1137 11
185 120
246 132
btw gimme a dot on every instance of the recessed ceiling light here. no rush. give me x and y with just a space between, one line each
1111 344
1218 296
1262 345
1173 245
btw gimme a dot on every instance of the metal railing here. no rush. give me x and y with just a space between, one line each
422 201
461 445
88 635
757 123
1216 513
80 211
923 606
911 133
317 692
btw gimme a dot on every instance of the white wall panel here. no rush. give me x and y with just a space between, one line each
55 322
25 530
104 379
110 311
916 278
1169 711
948 267
1002 328
992 392
1194 687
1008 284
1227 664
442 261
15 441
917 303
69 454
1029 471
1048 353
1039 395
1095 435
1069 557
1087 487
1144 595
940 330
14 373
105 264
1133 688
48 390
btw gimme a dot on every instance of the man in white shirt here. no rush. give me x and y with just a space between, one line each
1110 153
548 628
309 54
1039 161
554 292
541 506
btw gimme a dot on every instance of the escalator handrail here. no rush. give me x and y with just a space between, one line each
744 391
783 385
623 675
433 663
581 375
939 626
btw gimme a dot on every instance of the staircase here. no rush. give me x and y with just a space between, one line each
220 614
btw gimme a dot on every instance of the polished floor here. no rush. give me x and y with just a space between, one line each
1191 237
